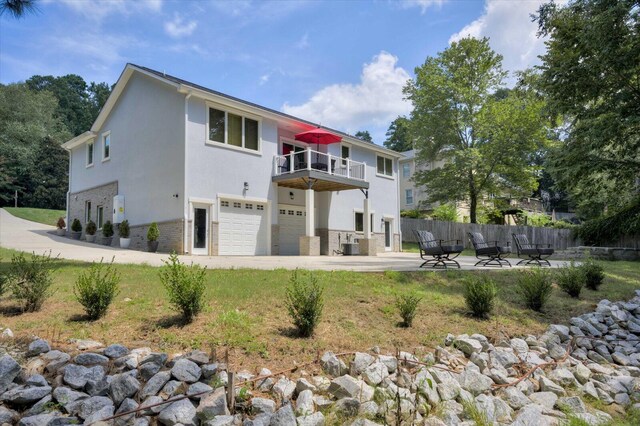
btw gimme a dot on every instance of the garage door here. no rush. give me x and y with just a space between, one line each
242 228
292 226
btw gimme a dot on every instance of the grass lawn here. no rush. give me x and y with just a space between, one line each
46 216
246 313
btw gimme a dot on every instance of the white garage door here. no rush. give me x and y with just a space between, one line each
292 226
242 228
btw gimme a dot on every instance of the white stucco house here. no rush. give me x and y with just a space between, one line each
223 176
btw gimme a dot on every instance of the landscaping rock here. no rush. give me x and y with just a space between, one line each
375 373
468 346
199 390
360 362
8 416
284 388
474 382
303 384
545 399
332 365
263 405
148 370
315 419
215 404
77 376
123 386
37 347
9 370
23 395
186 371
115 351
181 412
283 417
304 403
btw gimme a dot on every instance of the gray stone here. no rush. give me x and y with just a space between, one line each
123 386
39 407
37 347
66 395
503 356
36 380
304 403
149 406
199 357
519 346
126 405
209 370
581 373
425 382
315 419
284 388
186 371
531 415
562 331
259 420
263 405
148 370
9 370
199 390
214 404
98 387
369 409
563 377
390 361
46 419
596 357
474 382
222 421
84 408
622 399
8 416
303 384
407 359
172 388
283 417
347 406
345 387
375 373
515 398
572 404
448 389
360 362
620 359
77 376
545 399
156 357
547 385
89 358
468 346
115 351
332 365
86 344
181 412
22 395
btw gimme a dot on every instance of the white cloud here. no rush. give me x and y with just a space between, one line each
178 27
303 43
511 31
422 4
371 104
264 79
98 9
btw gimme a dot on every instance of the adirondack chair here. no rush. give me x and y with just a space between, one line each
532 253
438 253
490 253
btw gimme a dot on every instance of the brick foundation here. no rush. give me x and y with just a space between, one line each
98 196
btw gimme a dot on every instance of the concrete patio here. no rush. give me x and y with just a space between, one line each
24 235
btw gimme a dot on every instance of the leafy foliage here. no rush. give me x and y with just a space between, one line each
90 228
153 233
407 305
413 214
123 229
571 279
625 221
304 302
484 136
18 8
534 287
479 294
30 280
185 286
364 135
446 212
593 273
96 288
76 226
107 229
398 135
60 224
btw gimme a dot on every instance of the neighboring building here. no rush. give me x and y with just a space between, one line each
222 176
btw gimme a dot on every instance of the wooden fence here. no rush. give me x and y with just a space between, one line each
559 239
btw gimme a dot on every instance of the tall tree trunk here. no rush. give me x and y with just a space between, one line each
473 198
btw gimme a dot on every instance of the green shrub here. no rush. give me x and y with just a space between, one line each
593 274
96 288
3 283
571 279
304 303
91 228
534 287
76 226
479 294
407 305
413 214
185 286
30 280
153 233
60 224
123 229
107 229
445 212
619 222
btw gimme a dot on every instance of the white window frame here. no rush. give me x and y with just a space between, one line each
99 219
348 146
356 211
407 170
106 135
384 175
225 144
87 211
406 198
93 153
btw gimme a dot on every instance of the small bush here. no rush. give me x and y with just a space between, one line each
407 305
593 274
91 228
30 280
96 288
107 229
153 233
61 224
445 212
3 284
76 226
479 294
185 285
571 279
123 229
534 287
304 303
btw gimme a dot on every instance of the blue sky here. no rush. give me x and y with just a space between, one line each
341 63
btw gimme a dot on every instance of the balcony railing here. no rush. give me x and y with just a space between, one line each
319 161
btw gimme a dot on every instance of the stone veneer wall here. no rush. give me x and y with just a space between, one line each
170 237
329 240
99 196
213 241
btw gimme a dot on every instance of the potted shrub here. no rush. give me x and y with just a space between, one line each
107 233
90 232
124 232
76 229
61 225
152 237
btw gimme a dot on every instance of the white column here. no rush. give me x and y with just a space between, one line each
366 219
309 200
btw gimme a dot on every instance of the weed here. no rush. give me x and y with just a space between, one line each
479 294
304 303
475 414
407 305
30 280
185 285
534 287
96 288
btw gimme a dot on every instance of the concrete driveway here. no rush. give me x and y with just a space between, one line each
24 235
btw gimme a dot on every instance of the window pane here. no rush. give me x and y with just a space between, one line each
381 165
359 222
100 217
216 125
251 134
405 170
234 136
344 151
388 166
107 143
90 153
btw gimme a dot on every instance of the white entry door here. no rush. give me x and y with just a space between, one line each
242 228
292 226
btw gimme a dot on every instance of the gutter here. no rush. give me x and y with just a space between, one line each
185 207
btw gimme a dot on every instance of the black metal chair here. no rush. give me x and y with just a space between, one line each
441 252
532 253
490 253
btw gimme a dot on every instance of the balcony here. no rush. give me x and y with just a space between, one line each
316 170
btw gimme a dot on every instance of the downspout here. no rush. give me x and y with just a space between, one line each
185 227
398 195
69 189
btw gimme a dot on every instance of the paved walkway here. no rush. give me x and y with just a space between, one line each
24 235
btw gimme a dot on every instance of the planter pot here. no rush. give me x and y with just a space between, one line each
152 246
90 238
61 232
124 243
75 235
106 241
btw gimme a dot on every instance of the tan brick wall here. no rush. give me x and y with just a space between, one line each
213 242
170 237
309 246
98 196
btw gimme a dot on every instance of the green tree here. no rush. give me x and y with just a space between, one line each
364 135
398 135
18 8
590 74
485 138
